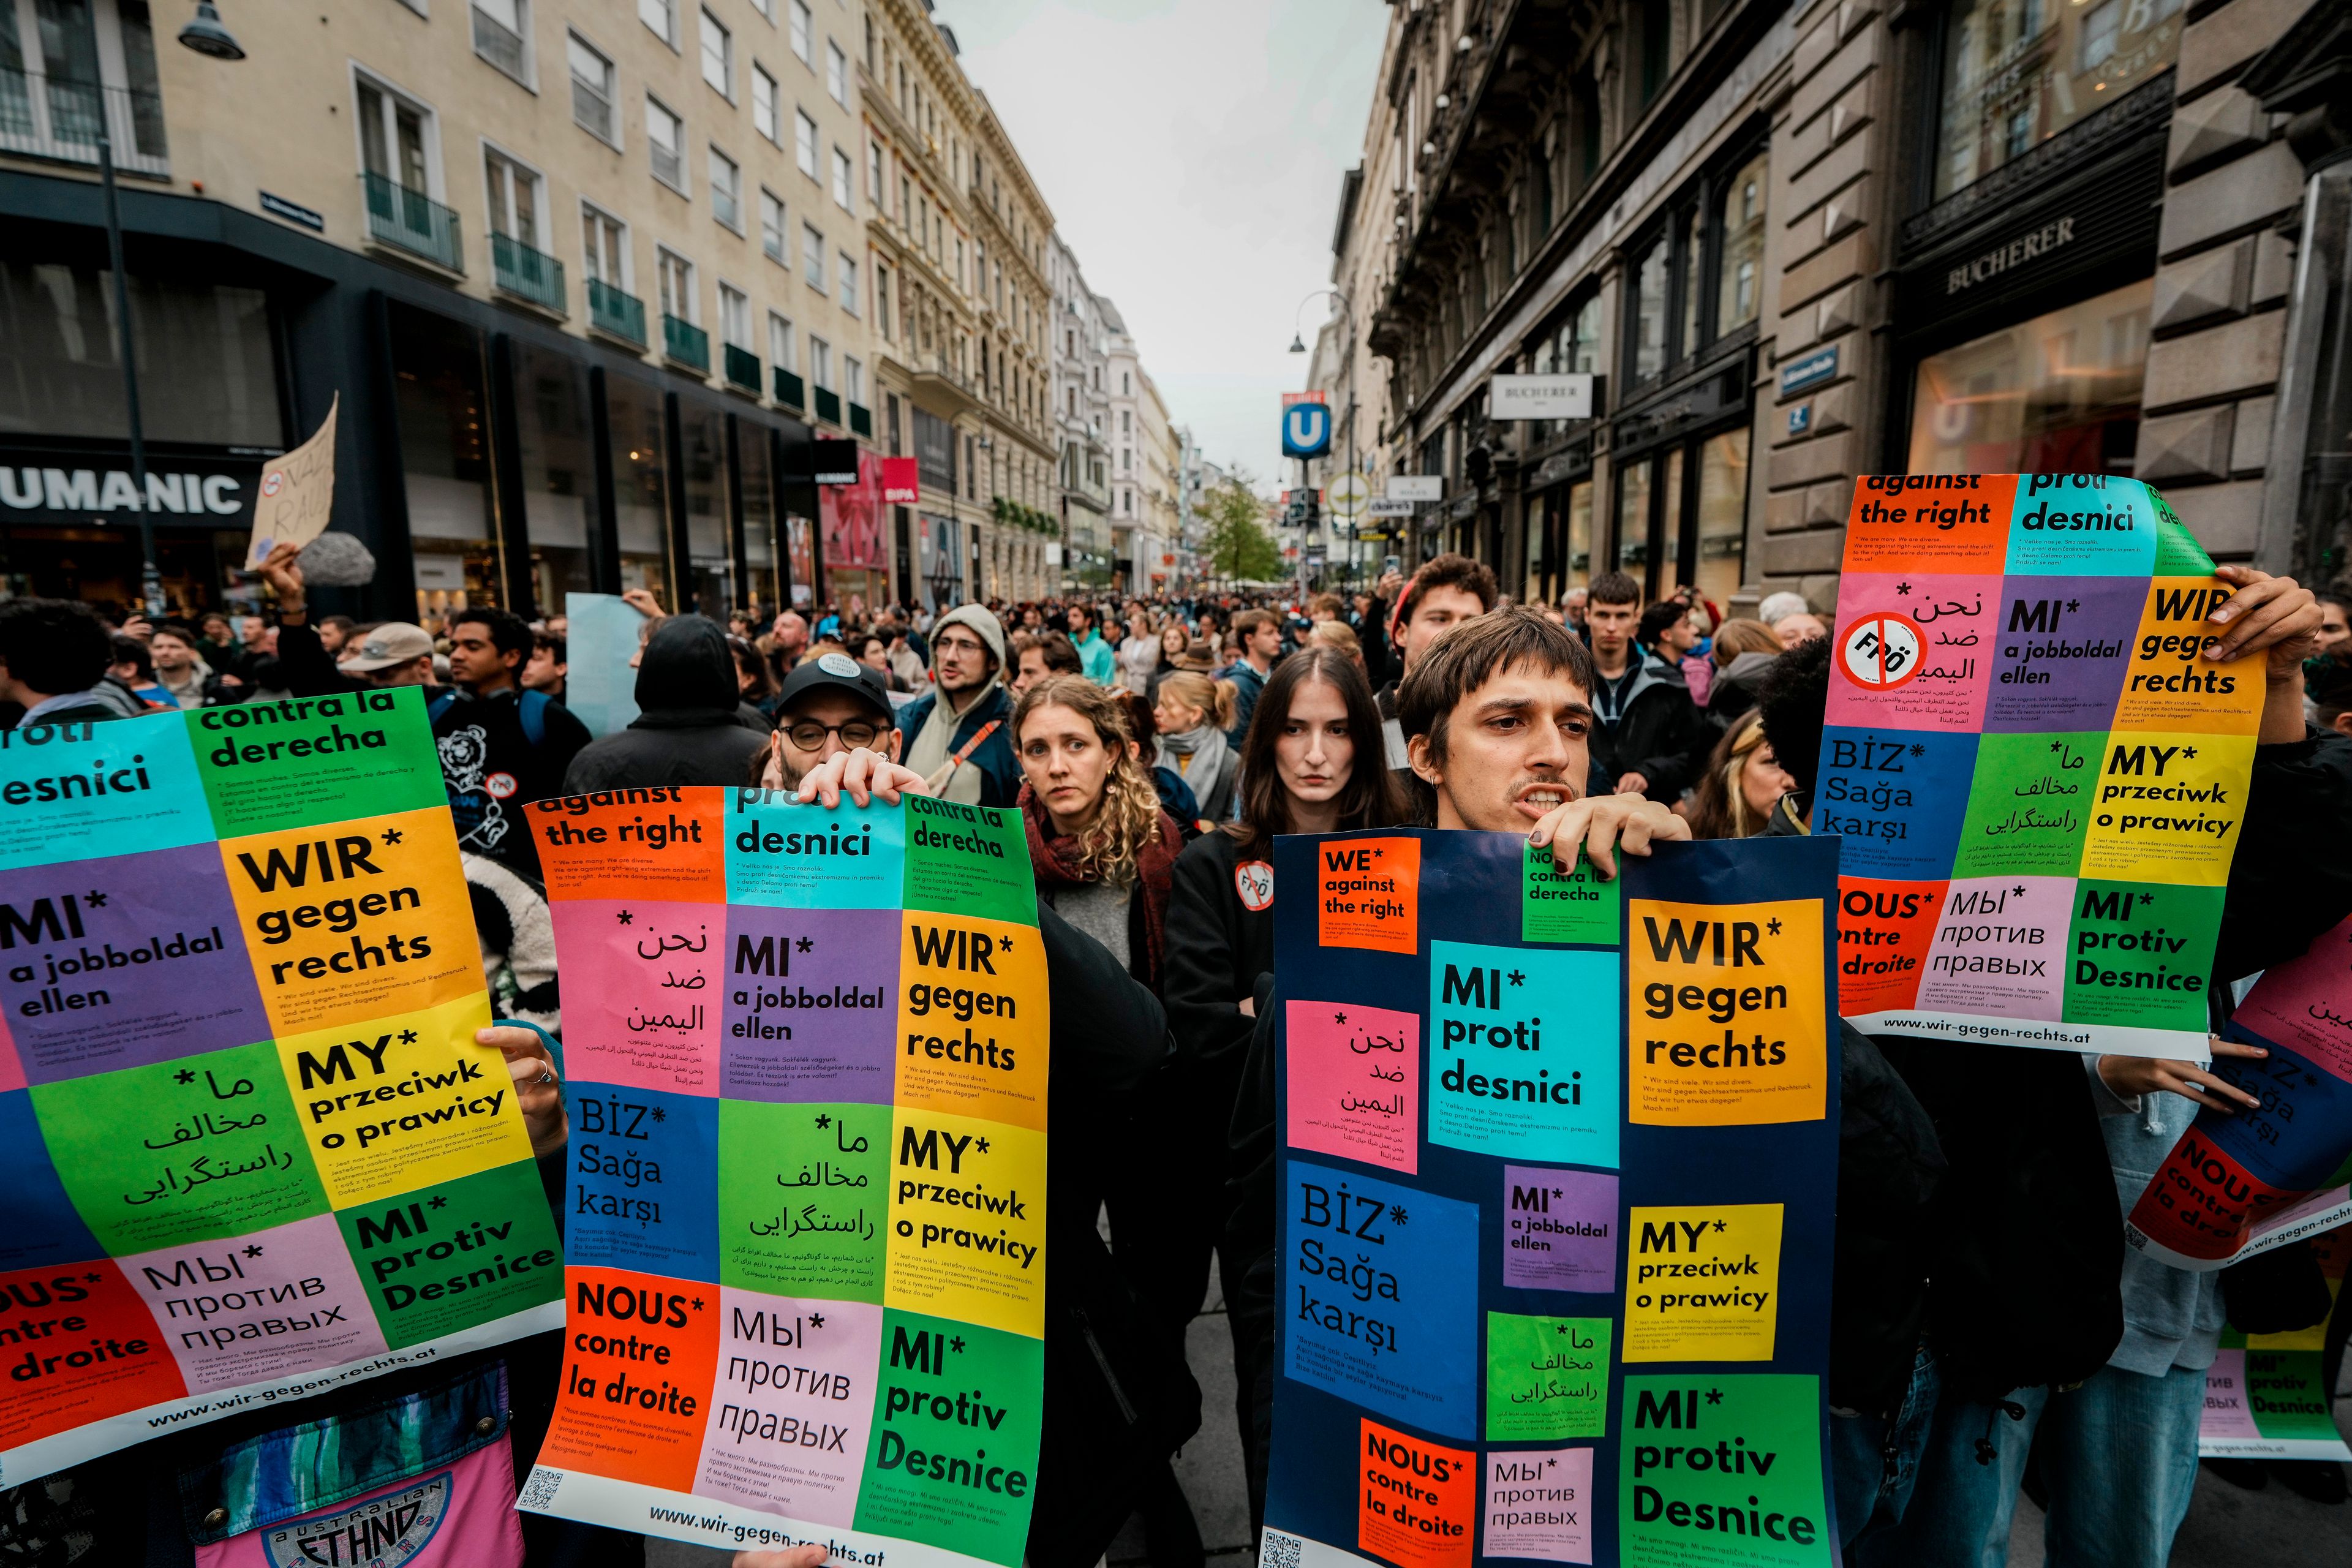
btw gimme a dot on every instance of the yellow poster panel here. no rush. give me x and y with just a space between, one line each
2169 684
1705 1282
1726 1024
971 1020
364 919
967 1221
394 1104
2168 807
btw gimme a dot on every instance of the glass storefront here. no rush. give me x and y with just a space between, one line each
2017 72
702 429
1579 536
1634 486
1722 514
1682 516
559 471
760 554
2056 395
634 413
444 461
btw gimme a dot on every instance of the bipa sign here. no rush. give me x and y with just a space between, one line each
92 491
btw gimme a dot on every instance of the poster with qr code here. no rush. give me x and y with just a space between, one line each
804 1274
2038 772
252 1150
1556 1168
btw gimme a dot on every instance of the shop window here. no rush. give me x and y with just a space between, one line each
760 553
702 430
1634 486
2056 395
1699 278
1722 520
640 475
207 370
1578 550
2017 72
559 478
438 411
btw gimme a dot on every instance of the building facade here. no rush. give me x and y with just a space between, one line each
1798 243
587 281
1081 411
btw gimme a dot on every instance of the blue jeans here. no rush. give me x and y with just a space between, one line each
2118 1454
1874 1463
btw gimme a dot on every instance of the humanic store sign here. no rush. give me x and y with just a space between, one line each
59 487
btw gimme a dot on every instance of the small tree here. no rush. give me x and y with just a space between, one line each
1240 549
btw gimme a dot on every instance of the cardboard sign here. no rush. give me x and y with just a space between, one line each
295 496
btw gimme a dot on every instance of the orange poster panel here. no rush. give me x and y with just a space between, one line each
638 1365
1368 894
1929 522
656 843
1416 1499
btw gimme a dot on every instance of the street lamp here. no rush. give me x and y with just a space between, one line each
208 37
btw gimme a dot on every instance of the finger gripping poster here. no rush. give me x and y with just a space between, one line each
253 1150
1558 1183
2038 775
806 1269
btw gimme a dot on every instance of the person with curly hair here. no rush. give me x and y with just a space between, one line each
1102 847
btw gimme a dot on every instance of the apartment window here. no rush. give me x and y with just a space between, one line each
661 16
394 137
676 285
514 193
592 91
848 273
604 247
843 191
1699 277
836 73
2016 75
780 344
821 363
717 57
853 379
771 227
813 257
734 317
1741 223
1125 384
726 191
764 105
874 173
765 7
502 34
804 143
1125 421
882 300
665 136
801 31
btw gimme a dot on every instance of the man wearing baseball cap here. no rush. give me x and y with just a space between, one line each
828 706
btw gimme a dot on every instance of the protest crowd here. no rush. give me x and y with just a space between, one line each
1991 1335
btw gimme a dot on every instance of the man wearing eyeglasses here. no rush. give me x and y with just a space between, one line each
827 707
960 733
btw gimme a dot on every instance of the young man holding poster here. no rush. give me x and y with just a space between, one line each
1496 715
2024 1296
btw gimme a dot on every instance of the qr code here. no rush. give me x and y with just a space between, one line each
539 1493
1276 1550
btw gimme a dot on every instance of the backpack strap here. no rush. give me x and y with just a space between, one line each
531 709
439 706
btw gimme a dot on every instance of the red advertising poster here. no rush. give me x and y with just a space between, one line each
901 483
852 517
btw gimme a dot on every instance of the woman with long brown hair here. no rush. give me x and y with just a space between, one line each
1312 762
1743 781
1102 847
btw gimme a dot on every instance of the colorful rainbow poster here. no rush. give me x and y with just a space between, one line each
2037 773
255 1150
2266 1395
1558 1174
805 1275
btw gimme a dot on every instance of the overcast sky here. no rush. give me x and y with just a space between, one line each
1191 151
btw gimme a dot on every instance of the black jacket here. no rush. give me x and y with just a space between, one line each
1217 948
1660 733
687 730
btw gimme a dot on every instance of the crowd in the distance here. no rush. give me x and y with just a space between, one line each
1152 750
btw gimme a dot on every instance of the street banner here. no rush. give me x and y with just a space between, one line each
252 1148
296 496
2266 1395
2241 1183
806 1270
1558 1178
2037 773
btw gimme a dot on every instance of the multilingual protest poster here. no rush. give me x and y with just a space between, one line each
806 1270
253 1148
2266 1395
2240 1183
2038 775
1557 1167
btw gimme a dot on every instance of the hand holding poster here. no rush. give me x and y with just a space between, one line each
2037 773
252 1143
296 496
806 1270
1557 1176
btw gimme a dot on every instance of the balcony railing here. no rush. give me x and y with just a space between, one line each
861 420
591 110
498 43
528 274
744 369
790 390
686 344
828 405
54 117
412 221
610 311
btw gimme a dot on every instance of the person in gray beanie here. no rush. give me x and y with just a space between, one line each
960 733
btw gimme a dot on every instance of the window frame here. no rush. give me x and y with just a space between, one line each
813 248
692 290
610 91
667 36
801 32
781 353
836 73
844 179
775 105
590 265
1696 207
527 77
683 184
782 255
709 25
808 144
435 179
515 167
846 282
742 299
716 156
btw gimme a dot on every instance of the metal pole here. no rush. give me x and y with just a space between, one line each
151 576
